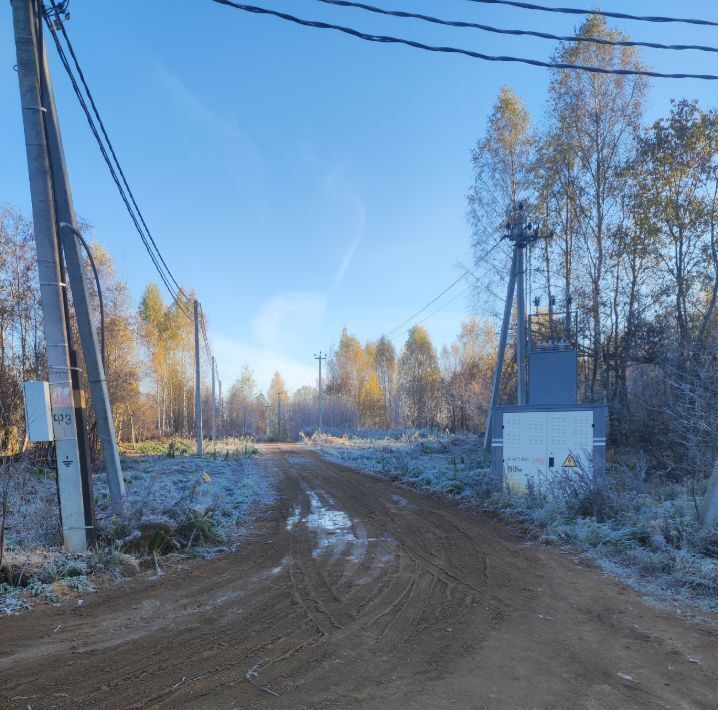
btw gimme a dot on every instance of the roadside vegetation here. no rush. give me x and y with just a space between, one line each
640 528
176 504
629 277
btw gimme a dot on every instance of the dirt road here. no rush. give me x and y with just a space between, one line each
358 594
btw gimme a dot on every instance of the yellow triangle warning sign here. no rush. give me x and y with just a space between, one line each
570 462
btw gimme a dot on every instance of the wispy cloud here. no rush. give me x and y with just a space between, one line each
232 354
287 318
192 104
341 192
225 128
346 261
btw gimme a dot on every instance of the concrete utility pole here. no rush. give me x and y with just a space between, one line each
267 407
508 305
214 404
521 234
25 24
521 322
197 384
65 215
221 403
279 417
320 357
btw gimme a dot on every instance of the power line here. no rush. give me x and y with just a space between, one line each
466 273
78 93
203 329
518 33
469 272
114 155
430 303
385 39
602 13
432 314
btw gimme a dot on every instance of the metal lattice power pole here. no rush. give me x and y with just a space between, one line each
80 298
25 24
320 357
197 383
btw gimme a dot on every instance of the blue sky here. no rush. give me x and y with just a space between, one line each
300 180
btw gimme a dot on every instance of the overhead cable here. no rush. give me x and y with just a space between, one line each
386 39
113 172
602 13
466 273
518 33
114 155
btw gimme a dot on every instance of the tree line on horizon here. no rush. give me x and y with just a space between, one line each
631 267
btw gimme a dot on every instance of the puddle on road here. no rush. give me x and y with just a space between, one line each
293 519
401 502
333 528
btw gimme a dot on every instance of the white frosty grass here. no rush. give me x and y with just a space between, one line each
175 503
646 535
436 462
159 488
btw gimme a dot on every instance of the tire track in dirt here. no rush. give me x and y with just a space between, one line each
356 593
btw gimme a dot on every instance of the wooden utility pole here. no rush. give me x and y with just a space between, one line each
197 383
25 25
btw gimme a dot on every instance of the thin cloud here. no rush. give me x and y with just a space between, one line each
232 354
286 318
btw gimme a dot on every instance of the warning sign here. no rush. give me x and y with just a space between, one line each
570 462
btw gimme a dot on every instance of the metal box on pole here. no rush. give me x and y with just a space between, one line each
38 411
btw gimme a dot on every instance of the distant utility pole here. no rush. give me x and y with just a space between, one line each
214 403
221 403
521 234
267 407
320 357
68 233
69 476
279 417
197 383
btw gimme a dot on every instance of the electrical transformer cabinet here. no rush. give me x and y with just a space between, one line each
532 445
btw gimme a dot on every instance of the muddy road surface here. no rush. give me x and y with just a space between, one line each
353 593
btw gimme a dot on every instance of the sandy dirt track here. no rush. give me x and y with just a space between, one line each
355 593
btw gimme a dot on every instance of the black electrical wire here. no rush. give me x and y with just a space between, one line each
517 33
385 39
428 305
602 13
98 286
93 128
467 272
203 328
59 23
113 173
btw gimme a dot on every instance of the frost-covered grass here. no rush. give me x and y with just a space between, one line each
178 502
646 533
175 503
